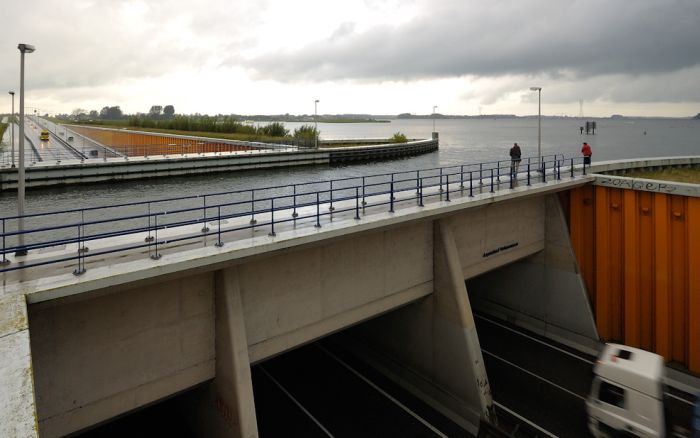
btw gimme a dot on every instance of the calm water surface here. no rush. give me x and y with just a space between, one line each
461 142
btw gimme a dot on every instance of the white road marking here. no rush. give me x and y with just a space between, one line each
533 374
525 420
680 399
384 393
296 402
561 350
568 353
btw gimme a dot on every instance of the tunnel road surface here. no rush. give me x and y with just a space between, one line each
321 391
546 384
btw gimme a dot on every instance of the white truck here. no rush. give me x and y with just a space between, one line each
627 394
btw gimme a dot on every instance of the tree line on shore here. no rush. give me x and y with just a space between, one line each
164 118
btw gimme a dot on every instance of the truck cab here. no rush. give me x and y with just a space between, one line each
627 394
44 136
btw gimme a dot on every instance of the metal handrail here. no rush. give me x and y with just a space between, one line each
440 182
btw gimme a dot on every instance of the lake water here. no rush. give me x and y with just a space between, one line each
461 142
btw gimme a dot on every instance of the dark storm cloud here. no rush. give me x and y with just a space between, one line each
578 39
92 43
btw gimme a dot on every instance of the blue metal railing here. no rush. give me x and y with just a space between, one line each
255 209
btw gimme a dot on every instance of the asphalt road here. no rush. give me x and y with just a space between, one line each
321 390
546 383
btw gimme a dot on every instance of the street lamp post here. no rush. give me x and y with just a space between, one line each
12 128
539 126
23 48
434 108
315 123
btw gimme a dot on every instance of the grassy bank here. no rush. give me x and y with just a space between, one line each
121 124
690 175
3 128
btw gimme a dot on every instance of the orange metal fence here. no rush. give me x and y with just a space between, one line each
136 144
639 254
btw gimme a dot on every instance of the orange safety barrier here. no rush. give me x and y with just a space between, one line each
639 255
135 144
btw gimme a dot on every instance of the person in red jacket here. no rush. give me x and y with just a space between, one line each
586 151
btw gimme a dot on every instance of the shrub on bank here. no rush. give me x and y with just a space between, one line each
398 138
3 127
306 135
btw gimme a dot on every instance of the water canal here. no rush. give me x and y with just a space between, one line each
461 142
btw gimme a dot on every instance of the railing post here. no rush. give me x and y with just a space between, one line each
4 258
544 171
331 198
498 171
357 203
572 167
391 198
417 182
149 237
364 201
219 243
447 186
528 171
205 228
294 212
272 217
252 207
511 179
492 180
441 180
471 185
80 270
420 196
481 174
559 170
156 255
461 176
318 211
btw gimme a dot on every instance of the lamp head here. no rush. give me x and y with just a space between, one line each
26 48
11 92
536 88
316 101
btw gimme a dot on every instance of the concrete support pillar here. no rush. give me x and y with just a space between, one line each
457 349
226 407
17 404
431 347
233 383
549 296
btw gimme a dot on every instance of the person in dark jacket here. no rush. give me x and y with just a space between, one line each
514 159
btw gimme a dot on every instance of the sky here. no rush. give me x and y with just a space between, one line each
591 57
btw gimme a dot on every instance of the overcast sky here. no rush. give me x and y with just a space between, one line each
631 57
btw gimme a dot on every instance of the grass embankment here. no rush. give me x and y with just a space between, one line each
123 124
686 175
3 127
223 135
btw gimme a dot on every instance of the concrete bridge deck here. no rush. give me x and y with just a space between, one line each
150 324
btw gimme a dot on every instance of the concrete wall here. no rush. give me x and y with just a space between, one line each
114 169
17 404
431 347
97 356
545 292
298 296
103 353
498 234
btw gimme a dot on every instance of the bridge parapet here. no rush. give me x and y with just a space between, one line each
284 281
